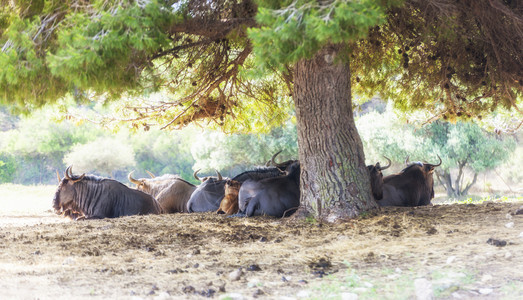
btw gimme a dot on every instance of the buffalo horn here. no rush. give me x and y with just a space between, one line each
274 157
390 162
407 160
440 161
69 174
195 175
219 175
131 179
150 174
58 176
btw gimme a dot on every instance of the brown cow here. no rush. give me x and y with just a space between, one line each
413 186
171 191
229 204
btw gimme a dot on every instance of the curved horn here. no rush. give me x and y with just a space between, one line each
274 156
440 161
58 176
131 179
219 175
268 163
195 175
81 177
67 176
407 160
387 166
150 174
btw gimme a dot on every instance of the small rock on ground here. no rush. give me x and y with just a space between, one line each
423 289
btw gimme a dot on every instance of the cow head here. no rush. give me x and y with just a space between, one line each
65 193
153 185
376 178
141 184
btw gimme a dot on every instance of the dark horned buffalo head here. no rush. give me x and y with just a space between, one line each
376 178
280 166
203 179
65 193
208 195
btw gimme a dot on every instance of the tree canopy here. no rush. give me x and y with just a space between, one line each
221 60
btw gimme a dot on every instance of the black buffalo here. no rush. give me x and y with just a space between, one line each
275 196
171 191
94 197
208 194
413 186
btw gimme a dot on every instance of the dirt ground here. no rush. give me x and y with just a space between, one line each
460 251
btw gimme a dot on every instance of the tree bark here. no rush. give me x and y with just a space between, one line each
466 190
335 182
451 192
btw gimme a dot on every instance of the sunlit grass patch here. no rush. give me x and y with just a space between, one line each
393 285
18 199
481 199
396 284
513 288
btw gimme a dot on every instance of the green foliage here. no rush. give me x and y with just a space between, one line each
37 145
463 142
105 49
7 168
511 170
232 154
103 156
162 152
466 143
389 137
294 30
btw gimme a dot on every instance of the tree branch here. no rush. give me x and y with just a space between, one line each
214 29
466 190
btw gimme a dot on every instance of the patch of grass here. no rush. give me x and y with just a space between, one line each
394 286
512 290
447 281
472 199
25 199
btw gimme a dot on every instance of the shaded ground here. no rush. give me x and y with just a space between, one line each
199 255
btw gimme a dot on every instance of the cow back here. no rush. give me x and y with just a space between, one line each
174 197
258 174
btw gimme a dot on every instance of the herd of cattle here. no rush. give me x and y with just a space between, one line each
273 190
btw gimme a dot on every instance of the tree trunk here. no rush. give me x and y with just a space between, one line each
451 192
466 190
334 179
